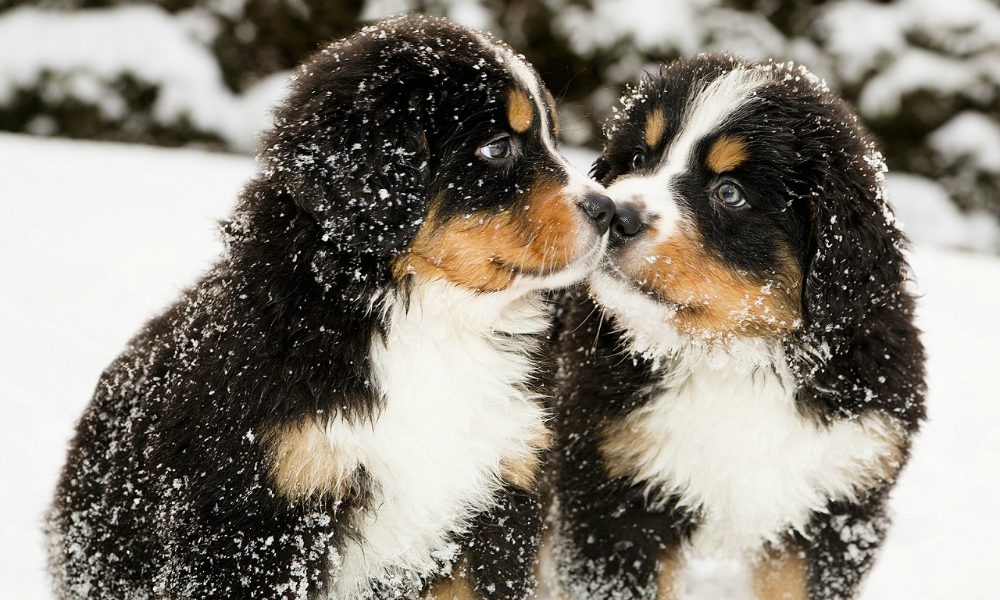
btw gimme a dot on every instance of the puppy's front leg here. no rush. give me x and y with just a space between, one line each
622 551
843 542
831 559
498 560
609 543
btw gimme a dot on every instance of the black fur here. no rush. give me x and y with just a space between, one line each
813 181
166 493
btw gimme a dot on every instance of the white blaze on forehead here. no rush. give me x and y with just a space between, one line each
712 106
708 108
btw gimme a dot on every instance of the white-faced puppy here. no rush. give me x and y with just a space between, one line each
753 382
347 405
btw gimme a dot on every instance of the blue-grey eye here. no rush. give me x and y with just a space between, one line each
498 149
730 195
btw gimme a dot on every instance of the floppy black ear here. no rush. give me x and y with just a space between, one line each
855 267
859 347
350 147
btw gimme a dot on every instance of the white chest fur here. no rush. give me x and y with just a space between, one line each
456 404
728 441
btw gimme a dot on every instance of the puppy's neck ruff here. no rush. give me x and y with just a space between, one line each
439 308
725 437
454 372
726 440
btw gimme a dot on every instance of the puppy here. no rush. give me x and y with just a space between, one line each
347 405
747 377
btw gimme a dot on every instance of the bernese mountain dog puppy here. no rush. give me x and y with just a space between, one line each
744 381
347 405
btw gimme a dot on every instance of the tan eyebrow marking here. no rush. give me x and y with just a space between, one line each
726 154
656 124
520 113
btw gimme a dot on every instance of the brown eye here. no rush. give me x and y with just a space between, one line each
499 149
638 159
730 195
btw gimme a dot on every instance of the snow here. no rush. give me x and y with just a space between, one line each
864 35
923 70
471 13
945 503
860 33
969 136
99 237
95 47
635 20
96 239
928 215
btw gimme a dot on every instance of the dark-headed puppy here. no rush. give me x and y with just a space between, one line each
752 377
346 405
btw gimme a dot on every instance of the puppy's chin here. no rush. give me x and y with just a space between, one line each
574 272
646 311
646 321
464 302
618 285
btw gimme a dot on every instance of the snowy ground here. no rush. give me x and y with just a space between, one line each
96 238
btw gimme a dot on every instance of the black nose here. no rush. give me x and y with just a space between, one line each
626 224
600 209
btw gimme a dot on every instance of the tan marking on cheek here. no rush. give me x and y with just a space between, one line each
455 586
781 576
726 154
666 578
713 297
656 125
485 252
520 111
457 250
522 471
553 222
453 253
304 464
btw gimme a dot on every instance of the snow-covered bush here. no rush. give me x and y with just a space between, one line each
924 74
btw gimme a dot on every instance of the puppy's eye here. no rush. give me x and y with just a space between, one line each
638 159
730 195
499 149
